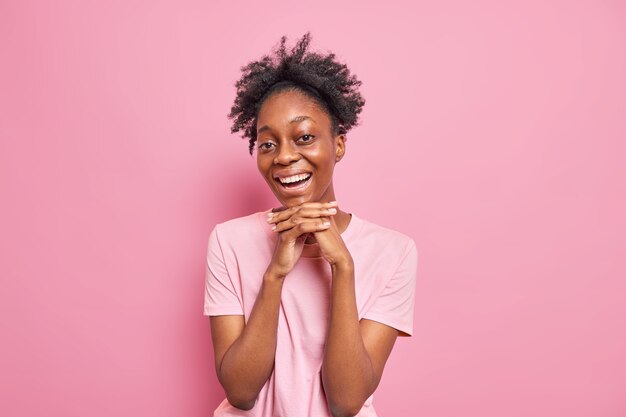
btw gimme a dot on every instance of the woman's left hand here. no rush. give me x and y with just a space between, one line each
332 246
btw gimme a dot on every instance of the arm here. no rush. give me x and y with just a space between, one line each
244 353
356 352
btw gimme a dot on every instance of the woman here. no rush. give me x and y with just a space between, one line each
305 300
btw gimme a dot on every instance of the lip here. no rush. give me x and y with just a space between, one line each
289 173
295 191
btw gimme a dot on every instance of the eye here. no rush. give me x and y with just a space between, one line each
263 147
307 136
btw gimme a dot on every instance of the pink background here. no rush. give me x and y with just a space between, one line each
493 134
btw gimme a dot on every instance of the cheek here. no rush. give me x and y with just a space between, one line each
261 164
322 156
325 166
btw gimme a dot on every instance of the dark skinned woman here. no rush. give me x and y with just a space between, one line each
305 300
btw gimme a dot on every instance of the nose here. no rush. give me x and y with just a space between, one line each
286 154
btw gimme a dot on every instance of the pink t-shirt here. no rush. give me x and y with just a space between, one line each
239 252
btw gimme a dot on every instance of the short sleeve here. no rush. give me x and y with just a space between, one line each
220 297
394 306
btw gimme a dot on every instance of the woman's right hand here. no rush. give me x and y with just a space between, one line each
293 225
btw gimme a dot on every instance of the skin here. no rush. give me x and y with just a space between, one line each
355 351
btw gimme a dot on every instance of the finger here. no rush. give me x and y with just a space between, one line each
295 222
291 223
303 213
305 204
293 209
308 209
304 228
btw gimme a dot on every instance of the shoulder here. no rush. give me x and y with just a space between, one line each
245 230
387 237
238 224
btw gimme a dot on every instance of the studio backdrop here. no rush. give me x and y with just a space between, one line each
493 134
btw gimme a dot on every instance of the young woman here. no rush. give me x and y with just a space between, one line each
305 300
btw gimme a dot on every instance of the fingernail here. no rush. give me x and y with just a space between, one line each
332 210
326 223
274 227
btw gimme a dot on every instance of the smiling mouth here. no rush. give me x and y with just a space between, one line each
296 185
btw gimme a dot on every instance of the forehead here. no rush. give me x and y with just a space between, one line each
281 107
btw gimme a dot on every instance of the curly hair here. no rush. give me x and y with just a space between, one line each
319 76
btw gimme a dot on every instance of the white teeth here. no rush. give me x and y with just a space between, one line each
294 178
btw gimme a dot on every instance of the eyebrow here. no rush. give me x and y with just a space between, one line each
294 120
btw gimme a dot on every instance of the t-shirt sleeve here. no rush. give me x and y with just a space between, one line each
220 297
394 306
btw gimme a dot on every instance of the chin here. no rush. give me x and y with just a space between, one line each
294 201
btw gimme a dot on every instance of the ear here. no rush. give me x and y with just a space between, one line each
340 148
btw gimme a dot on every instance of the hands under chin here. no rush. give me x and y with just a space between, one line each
313 220
332 246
